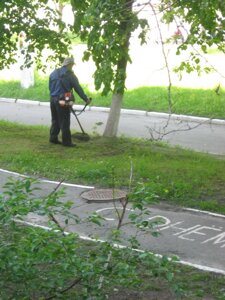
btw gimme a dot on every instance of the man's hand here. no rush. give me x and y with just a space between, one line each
89 100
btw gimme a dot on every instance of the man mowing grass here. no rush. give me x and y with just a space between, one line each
61 83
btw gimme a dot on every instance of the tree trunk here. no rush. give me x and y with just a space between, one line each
117 98
114 116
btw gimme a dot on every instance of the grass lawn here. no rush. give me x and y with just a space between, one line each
176 176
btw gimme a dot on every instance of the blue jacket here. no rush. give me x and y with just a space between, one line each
70 81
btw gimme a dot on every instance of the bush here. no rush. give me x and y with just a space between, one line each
37 263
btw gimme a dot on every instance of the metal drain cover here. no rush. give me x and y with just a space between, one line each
104 195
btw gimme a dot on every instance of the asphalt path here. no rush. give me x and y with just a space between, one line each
198 134
196 238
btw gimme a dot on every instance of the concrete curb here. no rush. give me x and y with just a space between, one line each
8 100
187 118
44 104
126 111
22 101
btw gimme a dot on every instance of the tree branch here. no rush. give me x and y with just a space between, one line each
165 57
75 282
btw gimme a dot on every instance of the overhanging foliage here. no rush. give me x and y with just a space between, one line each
39 21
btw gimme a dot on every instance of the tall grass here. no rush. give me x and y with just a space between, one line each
197 102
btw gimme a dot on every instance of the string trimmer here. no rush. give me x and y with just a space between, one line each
83 136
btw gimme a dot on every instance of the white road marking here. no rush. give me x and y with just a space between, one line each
204 212
49 181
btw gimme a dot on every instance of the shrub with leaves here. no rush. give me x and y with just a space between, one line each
36 263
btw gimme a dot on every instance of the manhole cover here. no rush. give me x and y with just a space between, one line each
103 195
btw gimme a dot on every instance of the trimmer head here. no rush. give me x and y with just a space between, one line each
81 136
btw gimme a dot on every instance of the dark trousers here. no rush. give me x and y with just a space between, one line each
60 121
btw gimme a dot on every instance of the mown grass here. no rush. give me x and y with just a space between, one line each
197 102
177 176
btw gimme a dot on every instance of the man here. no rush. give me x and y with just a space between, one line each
62 81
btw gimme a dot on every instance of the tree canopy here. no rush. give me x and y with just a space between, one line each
206 19
38 20
205 25
107 26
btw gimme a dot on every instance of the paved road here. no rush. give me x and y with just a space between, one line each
205 136
197 238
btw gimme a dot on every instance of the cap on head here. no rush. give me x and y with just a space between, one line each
68 61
